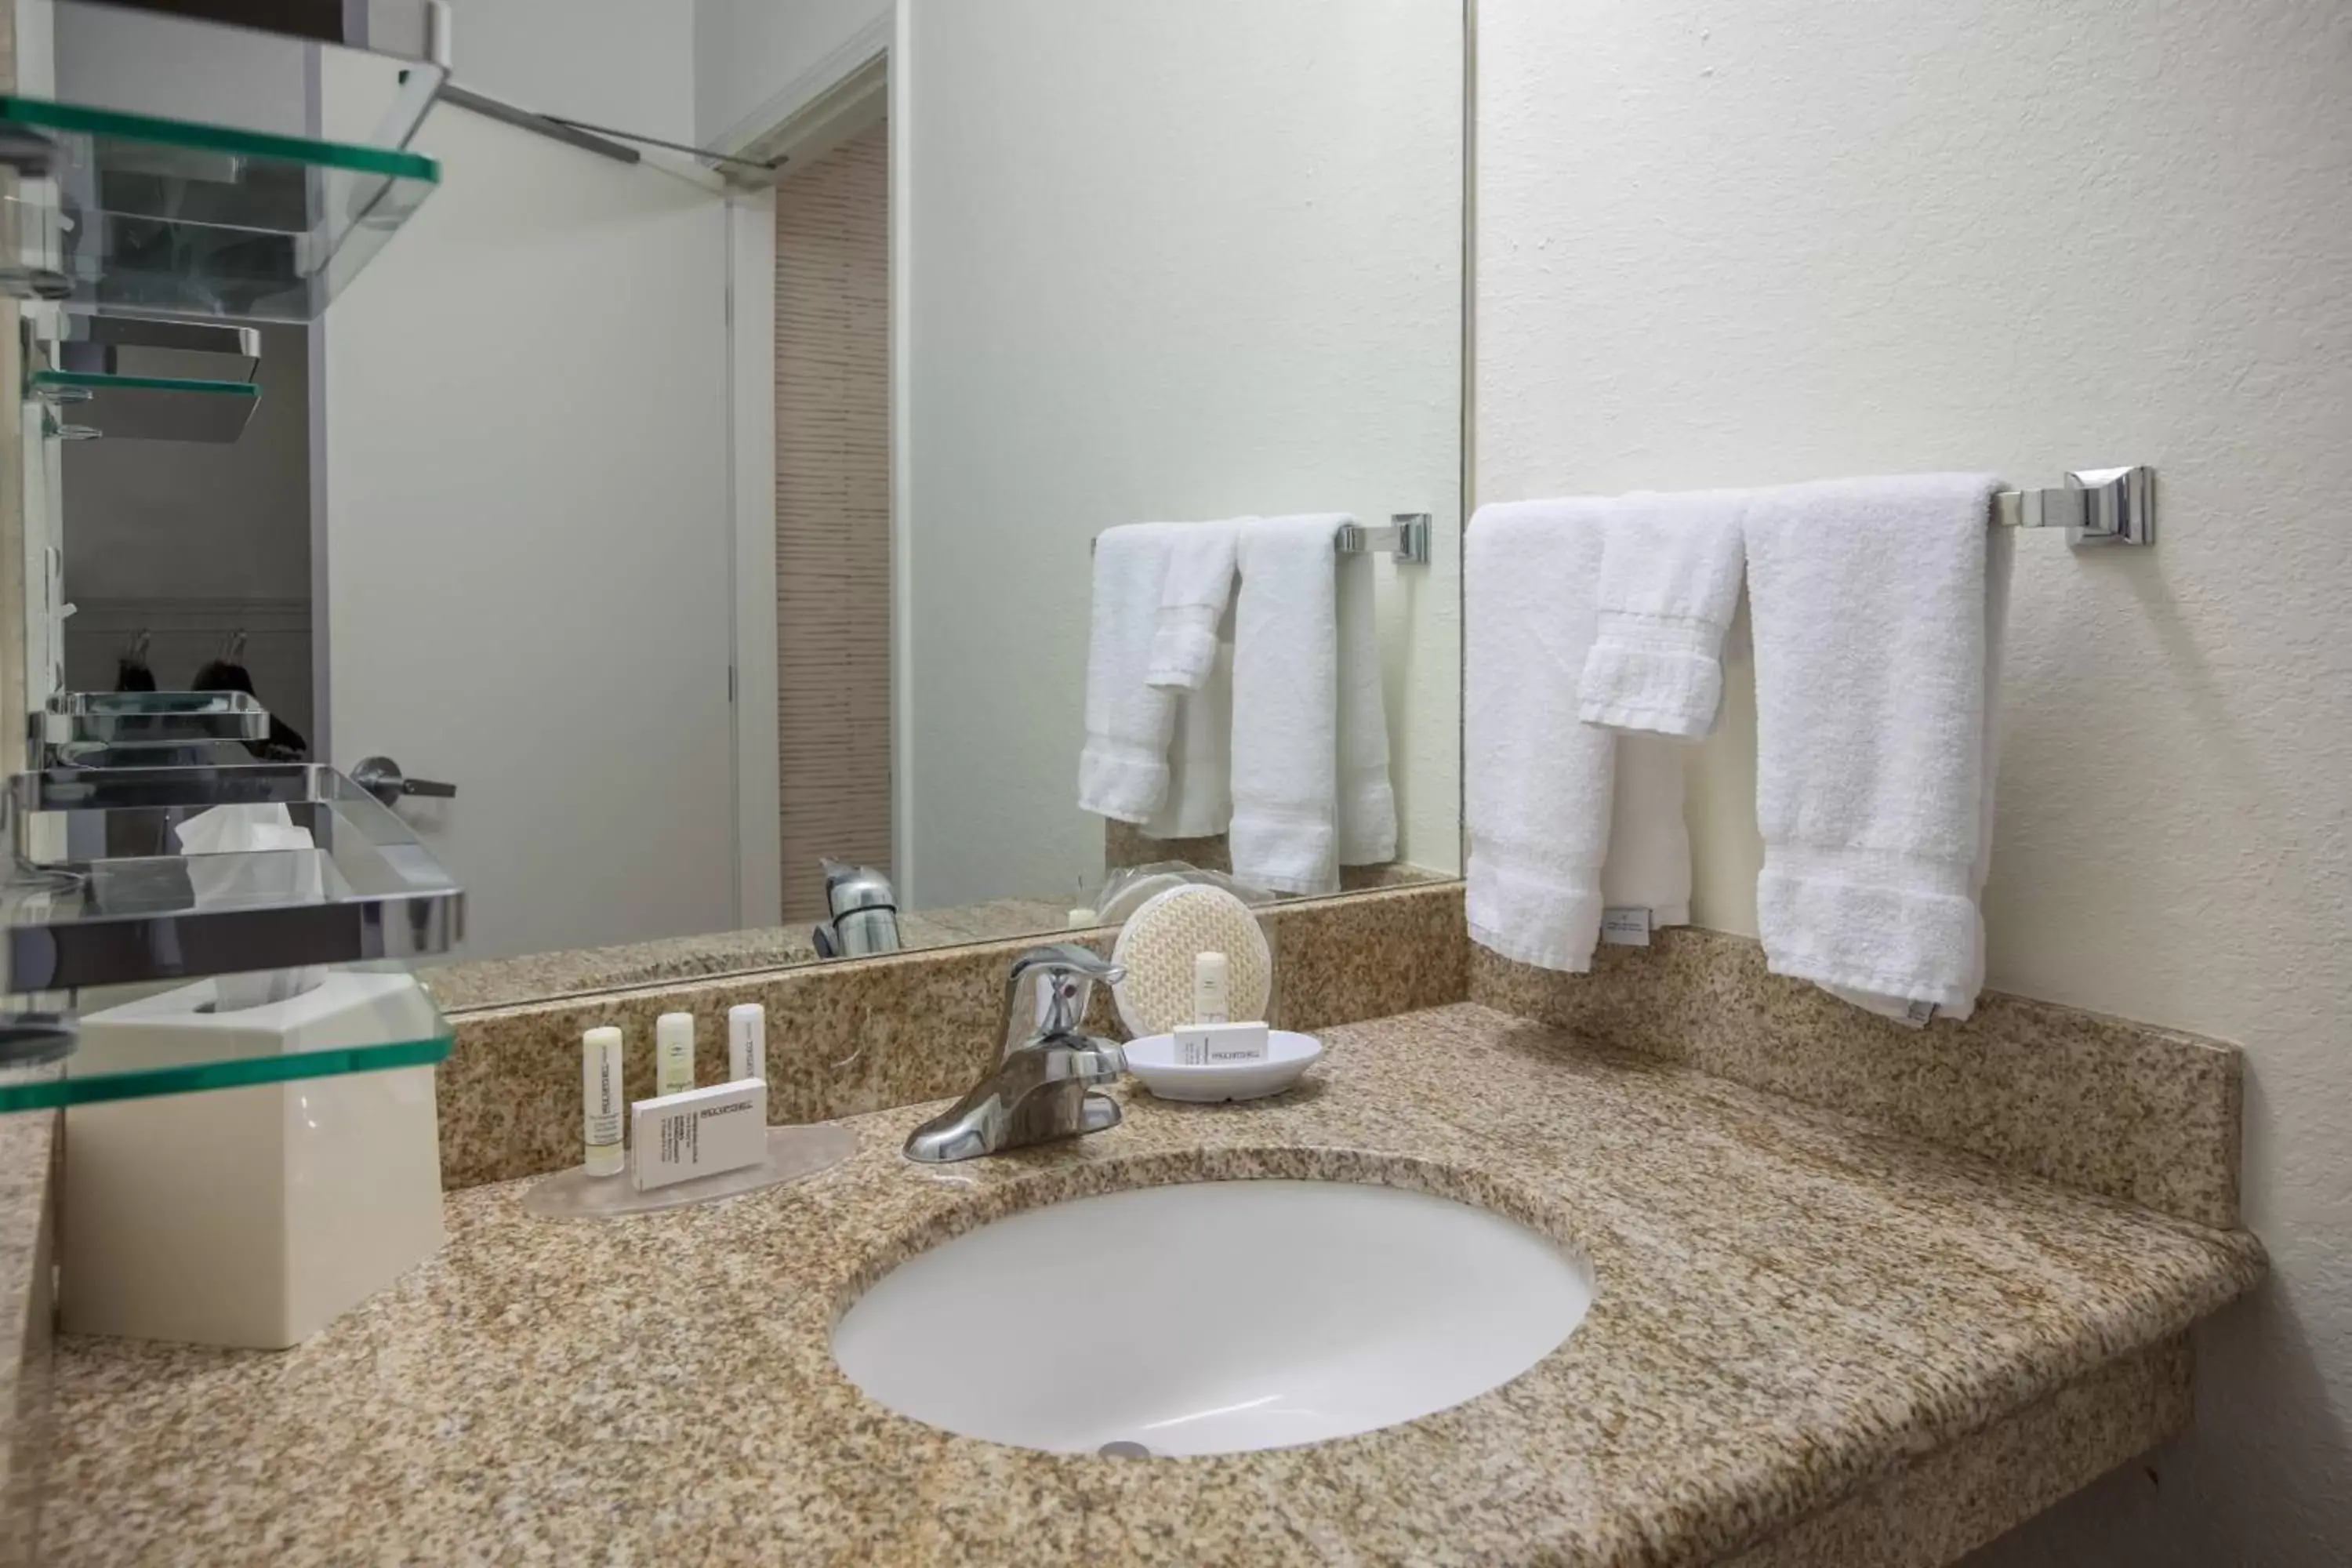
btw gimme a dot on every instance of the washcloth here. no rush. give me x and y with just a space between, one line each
1285 728
1670 571
1192 601
1367 811
1565 819
1199 800
1123 769
1877 606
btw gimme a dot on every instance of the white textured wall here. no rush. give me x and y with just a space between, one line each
624 63
1164 262
755 58
1730 245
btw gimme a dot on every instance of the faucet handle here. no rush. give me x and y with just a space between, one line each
1064 977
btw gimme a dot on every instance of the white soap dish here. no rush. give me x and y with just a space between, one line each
1287 1056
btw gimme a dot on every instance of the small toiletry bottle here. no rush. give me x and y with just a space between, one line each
673 1053
1212 977
746 1042
600 1100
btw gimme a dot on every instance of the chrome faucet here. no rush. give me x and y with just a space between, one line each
1043 1086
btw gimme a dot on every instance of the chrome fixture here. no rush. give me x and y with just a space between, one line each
382 777
865 912
2096 506
1406 538
1045 1086
587 136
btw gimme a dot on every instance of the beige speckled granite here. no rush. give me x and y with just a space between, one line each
28 1152
1939 1506
583 971
861 1034
541 976
1792 1307
2130 1111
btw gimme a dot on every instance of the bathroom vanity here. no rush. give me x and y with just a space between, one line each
1811 1340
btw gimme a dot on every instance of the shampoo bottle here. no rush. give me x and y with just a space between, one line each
600 1100
747 1041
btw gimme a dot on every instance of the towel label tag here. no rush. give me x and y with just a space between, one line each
1918 1015
1625 927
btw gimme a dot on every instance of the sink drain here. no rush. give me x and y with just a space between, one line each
1124 1450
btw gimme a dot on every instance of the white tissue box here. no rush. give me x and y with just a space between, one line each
251 1218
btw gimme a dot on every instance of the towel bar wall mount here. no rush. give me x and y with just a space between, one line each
2095 506
1406 538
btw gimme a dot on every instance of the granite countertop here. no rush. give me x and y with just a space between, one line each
1790 1304
583 971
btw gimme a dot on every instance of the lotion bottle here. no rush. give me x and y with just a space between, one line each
673 1053
1212 989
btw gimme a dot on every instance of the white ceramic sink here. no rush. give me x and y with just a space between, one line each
1212 1318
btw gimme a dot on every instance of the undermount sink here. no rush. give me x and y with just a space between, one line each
1212 1318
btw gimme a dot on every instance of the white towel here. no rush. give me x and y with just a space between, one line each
1649 864
1368 813
1192 601
1200 801
1286 732
1878 606
1564 819
1123 770
1670 570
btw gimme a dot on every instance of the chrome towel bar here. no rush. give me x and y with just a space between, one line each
1406 537
2095 506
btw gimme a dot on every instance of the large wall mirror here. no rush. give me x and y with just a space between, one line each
701 522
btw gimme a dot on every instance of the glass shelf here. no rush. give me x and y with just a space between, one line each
138 213
132 1045
150 408
102 894
152 717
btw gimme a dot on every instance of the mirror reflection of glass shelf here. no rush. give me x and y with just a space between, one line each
137 1042
138 213
151 409
106 892
139 717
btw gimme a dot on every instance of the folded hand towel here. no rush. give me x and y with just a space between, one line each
1670 570
1877 606
1123 771
1200 801
1563 817
1368 814
1192 600
1285 832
